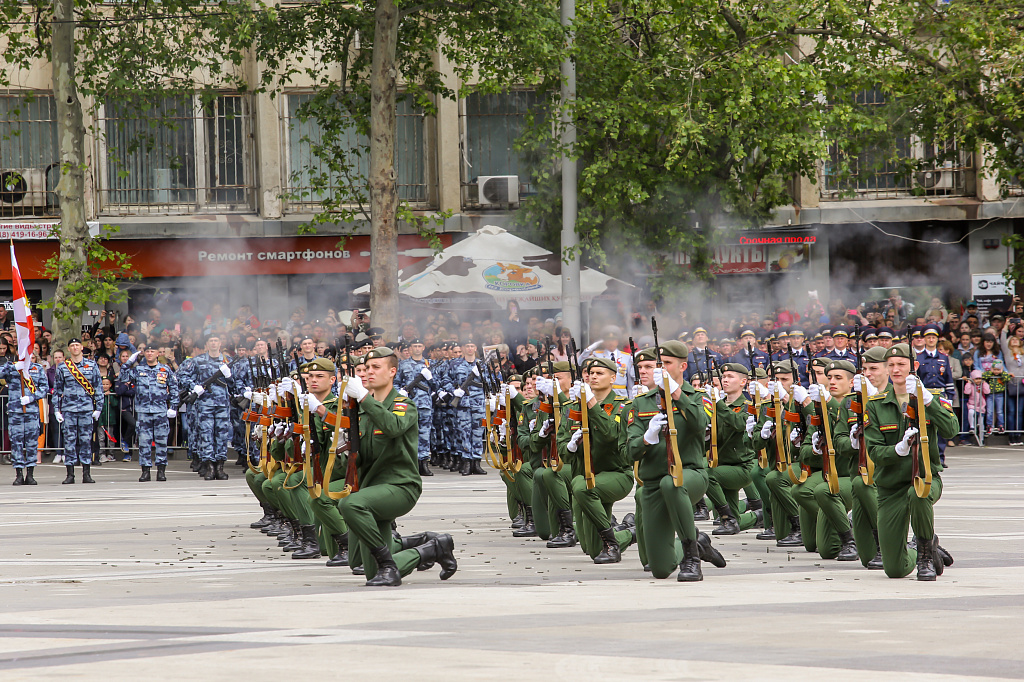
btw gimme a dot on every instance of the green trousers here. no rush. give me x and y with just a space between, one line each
520 490
293 489
757 477
255 481
818 533
638 517
897 511
865 518
782 502
326 510
833 508
592 509
369 513
553 490
724 484
543 516
668 518
272 491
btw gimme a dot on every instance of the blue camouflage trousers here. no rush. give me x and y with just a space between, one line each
212 435
469 431
237 429
24 434
153 430
438 441
426 420
78 428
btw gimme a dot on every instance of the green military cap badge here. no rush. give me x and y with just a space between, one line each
900 350
844 365
785 367
604 363
319 364
876 354
736 367
675 349
517 377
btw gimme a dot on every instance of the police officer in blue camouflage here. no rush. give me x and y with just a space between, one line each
156 401
210 378
23 417
415 377
78 397
443 429
467 386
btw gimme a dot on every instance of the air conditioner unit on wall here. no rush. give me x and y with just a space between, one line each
498 189
932 175
22 187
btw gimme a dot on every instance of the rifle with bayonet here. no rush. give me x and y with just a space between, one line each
858 405
713 446
796 415
584 418
675 462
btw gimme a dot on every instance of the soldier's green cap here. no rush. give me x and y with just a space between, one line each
381 352
736 367
821 362
647 354
675 349
318 365
760 373
900 350
875 355
560 366
604 363
517 377
844 365
784 367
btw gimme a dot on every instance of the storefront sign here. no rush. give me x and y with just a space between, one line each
756 258
991 292
22 231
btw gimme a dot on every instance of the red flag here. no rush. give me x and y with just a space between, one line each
22 318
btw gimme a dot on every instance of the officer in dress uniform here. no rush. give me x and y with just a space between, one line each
885 336
213 417
697 361
155 388
608 349
841 342
743 356
414 377
23 417
78 397
935 371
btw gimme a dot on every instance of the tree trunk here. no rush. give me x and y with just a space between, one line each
383 185
70 190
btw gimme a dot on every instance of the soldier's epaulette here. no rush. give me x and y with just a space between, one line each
879 396
619 397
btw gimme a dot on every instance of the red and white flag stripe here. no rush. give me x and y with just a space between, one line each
22 317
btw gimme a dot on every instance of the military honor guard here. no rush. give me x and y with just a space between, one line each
78 400
155 390
25 388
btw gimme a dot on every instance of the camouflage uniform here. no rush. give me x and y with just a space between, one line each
24 421
421 396
76 406
212 433
156 391
468 428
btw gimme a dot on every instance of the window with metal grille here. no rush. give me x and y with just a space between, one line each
177 155
491 125
319 168
29 169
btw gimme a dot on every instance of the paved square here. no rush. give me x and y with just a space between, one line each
163 581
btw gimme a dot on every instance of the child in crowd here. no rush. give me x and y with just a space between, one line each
996 380
975 391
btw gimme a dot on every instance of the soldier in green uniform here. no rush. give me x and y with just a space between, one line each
388 478
554 484
891 442
785 510
518 484
758 474
539 518
609 467
735 453
668 507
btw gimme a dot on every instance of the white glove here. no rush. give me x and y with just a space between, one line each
713 393
903 447
751 422
354 389
272 394
799 393
574 442
816 443
855 436
587 392
760 389
247 394
659 380
59 416
459 393
545 386
226 371
198 390
171 414
512 392
426 374
443 395
95 415
814 391
862 381
546 429
285 386
912 383
25 400
653 433
501 395
533 422
309 400
795 434
574 390
493 402
781 391
766 430
133 356
476 370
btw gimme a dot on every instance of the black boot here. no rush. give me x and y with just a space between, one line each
286 533
440 549
358 570
754 505
161 472
628 521
766 534
86 478
295 537
30 479
707 552
195 465
19 477
876 563
425 469
947 558
456 464
730 526
71 474
394 532
145 478
240 461
518 521
925 560
206 471
848 552
273 527
477 468
689 567
700 511
466 468
310 544
610 553
794 539
340 557
566 535
263 522
218 471
387 571
937 559
529 529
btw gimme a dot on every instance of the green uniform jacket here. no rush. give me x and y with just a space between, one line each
605 423
808 457
527 413
690 420
768 444
886 426
323 434
541 445
847 458
388 439
734 448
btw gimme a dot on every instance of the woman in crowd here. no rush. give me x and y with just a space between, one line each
1014 400
988 353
